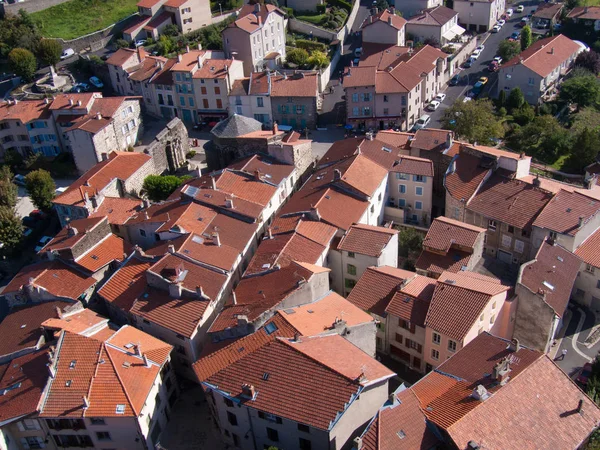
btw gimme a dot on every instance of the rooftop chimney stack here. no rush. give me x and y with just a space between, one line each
581 221
175 290
98 116
552 51
233 298
171 249
86 402
59 313
216 238
337 175
78 102
229 203
270 233
257 175
580 407
179 58
390 19
136 350
358 443
72 231
187 48
71 102
213 183
275 128
146 360
199 292
248 390
146 203
514 346
199 62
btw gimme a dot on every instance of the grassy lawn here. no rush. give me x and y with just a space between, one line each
315 20
559 162
76 18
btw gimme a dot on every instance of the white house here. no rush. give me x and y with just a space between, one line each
479 15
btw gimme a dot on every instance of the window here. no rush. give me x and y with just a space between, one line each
366 97
451 345
418 205
217 90
402 188
219 103
492 225
436 338
386 111
366 111
351 269
120 409
272 434
519 246
260 102
236 439
271 327
103 436
598 285
355 98
203 90
349 283
205 103
191 101
589 268
402 176
385 98
305 444
492 319
401 203
511 229
97 421
299 109
435 354
232 418
506 240
356 111
419 190
531 81
419 178
399 338
351 255
142 233
228 402
182 101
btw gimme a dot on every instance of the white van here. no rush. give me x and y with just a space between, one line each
67 53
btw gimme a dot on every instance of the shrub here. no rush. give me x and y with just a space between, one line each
318 59
158 188
297 56
49 51
41 188
23 63
311 46
288 11
190 154
342 4
321 9
121 43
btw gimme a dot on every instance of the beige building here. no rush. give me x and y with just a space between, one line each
438 24
587 283
479 15
538 70
257 37
384 28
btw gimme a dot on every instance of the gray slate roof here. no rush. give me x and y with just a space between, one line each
235 126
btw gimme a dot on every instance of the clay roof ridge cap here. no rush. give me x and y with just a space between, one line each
137 413
50 379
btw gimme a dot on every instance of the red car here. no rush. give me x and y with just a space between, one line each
586 373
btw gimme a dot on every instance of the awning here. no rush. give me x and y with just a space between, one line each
456 30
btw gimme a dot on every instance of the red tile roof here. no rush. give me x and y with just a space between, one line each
414 166
367 239
430 139
25 110
331 363
376 288
271 169
25 378
545 55
79 321
585 12
445 232
70 235
400 426
118 210
156 350
548 10
411 303
437 16
119 165
388 17
21 328
436 264
126 284
509 201
553 273
466 176
398 139
300 85
63 101
121 56
318 232
458 300
58 279
563 212
213 68
589 251
248 17
111 249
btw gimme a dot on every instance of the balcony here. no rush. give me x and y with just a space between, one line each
392 213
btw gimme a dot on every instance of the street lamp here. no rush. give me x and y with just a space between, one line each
220 10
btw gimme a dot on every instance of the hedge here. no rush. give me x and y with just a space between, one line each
342 4
310 46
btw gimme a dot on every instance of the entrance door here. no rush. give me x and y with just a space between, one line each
505 257
416 363
187 115
400 354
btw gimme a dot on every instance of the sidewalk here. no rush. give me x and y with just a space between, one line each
560 336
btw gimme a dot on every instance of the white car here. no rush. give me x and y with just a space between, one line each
433 105
467 99
422 122
139 43
440 97
509 12
68 52
520 8
496 28
480 48
43 241
475 55
501 22
498 59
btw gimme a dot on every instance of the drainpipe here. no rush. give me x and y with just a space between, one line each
251 428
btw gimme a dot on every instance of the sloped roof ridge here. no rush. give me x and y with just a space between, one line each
133 408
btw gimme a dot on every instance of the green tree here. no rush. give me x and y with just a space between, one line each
516 99
49 51
23 63
544 138
41 188
318 59
17 31
121 43
509 49
11 229
166 44
297 56
474 121
410 243
524 115
526 37
582 90
588 117
171 30
159 187
584 151
501 98
8 190
589 60
13 158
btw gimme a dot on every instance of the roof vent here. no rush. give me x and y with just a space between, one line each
450 281
480 393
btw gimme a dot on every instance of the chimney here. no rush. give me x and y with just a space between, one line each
536 181
199 62
199 292
480 393
136 350
581 221
175 290
472 445
58 312
187 48
213 183
199 46
275 128
337 175
71 102
248 390
358 443
98 116
257 8
390 19
171 249
449 140
78 102
86 402
146 203
146 360
514 345
392 10
314 214
104 156
580 407
259 21
370 19
229 203
72 231
257 175
46 101
552 51
146 216
233 298
216 238
501 370
270 233
179 58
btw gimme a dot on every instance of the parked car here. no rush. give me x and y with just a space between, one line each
483 80
475 54
42 243
433 105
515 36
496 28
7 76
501 22
480 48
37 214
422 122
524 21
509 12
28 221
584 376
96 82
139 43
493 66
358 52
80 87
67 53
469 63
440 97
498 59
455 80
467 99
477 89
520 8
19 180
27 231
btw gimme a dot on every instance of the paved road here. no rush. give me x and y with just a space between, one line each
24 205
470 76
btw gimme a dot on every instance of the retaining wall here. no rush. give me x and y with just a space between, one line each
99 39
30 6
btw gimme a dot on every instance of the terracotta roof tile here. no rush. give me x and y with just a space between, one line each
213 69
589 251
548 10
206 250
509 201
21 328
25 110
318 232
386 16
563 212
366 239
63 101
553 271
156 350
248 17
411 303
445 233
300 85
437 16
462 182
414 166
126 284
585 12
436 264
120 57
376 287
320 316
545 55
111 249
271 169
79 322
70 235
118 210
430 139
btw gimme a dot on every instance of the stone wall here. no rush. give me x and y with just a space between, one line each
30 6
90 239
169 147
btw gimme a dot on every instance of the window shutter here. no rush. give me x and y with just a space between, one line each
24 444
36 424
412 328
419 348
41 442
407 343
278 108
20 426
